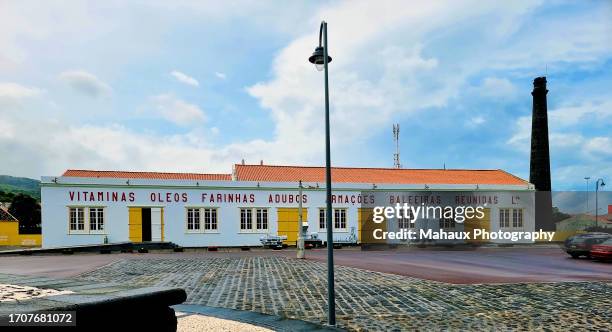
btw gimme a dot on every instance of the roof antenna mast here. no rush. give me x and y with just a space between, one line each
396 155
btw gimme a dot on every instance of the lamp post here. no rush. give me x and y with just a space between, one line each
597 185
320 59
587 194
300 239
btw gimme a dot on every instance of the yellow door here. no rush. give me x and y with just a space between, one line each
288 223
366 226
135 224
475 223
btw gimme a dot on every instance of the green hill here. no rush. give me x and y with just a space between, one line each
10 185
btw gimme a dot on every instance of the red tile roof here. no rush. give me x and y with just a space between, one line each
5 215
146 175
267 173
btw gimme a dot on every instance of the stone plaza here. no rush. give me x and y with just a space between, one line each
367 300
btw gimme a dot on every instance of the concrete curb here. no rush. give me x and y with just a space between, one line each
276 323
98 248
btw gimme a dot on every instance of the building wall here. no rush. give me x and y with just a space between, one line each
56 200
9 235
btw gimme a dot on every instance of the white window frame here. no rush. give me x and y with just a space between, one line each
267 219
341 229
506 220
401 221
252 212
518 218
213 215
322 217
322 212
202 212
83 215
86 220
191 213
99 220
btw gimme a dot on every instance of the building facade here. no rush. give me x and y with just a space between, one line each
226 210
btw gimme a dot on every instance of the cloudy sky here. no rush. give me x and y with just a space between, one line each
198 86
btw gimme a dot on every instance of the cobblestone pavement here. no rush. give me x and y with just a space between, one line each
13 293
369 300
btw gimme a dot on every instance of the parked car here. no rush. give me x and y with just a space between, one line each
581 244
602 251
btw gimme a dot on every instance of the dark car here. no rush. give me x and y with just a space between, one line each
602 251
581 244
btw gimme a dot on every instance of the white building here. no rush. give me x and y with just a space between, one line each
204 210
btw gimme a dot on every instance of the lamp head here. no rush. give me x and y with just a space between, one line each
318 58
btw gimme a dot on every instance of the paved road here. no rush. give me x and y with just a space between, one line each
485 265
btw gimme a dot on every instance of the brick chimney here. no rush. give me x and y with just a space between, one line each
539 166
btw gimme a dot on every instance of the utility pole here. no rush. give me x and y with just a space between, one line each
300 240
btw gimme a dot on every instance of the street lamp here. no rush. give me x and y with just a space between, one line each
597 185
320 59
587 194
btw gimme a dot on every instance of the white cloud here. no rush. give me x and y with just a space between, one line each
220 75
599 146
497 87
475 121
85 83
184 78
588 111
173 109
13 93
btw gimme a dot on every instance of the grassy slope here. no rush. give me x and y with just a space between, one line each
18 185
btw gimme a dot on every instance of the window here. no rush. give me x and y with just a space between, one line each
246 219
210 219
405 223
260 216
77 219
96 219
504 218
340 218
322 222
262 219
446 223
517 218
86 220
193 219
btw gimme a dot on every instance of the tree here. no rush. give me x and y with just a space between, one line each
557 215
27 210
6 196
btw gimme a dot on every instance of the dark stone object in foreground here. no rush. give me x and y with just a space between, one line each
99 306
539 166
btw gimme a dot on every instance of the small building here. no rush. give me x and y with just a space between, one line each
9 232
236 209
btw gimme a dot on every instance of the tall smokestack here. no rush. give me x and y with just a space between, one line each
539 167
